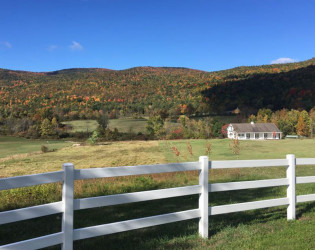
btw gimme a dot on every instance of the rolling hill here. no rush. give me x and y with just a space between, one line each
80 93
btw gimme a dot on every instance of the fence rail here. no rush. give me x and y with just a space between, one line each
69 204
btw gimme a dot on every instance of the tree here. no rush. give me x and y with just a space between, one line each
102 121
183 120
264 115
312 121
155 126
217 126
46 128
54 123
224 129
301 127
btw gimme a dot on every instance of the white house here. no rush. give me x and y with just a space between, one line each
253 131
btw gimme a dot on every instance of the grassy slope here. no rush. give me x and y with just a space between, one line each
264 228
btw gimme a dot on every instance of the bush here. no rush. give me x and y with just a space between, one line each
93 139
44 149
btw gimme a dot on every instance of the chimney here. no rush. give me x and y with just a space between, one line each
252 123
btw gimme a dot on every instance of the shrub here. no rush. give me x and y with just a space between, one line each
44 149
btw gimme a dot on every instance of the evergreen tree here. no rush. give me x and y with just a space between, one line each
46 128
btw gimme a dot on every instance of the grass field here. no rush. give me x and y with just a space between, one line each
123 125
129 125
82 125
14 145
257 229
270 149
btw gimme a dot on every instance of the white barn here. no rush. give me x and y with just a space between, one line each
253 131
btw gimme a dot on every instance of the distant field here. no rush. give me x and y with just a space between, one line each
129 125
82 125
123 125
14 145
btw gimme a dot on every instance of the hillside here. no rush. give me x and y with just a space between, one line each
293 89
81 93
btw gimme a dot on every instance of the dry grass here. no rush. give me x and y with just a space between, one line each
107 155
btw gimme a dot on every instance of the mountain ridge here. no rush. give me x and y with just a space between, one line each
80 93
305 63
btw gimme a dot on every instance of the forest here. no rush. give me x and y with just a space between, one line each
27 99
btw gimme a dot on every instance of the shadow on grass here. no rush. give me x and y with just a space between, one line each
179 235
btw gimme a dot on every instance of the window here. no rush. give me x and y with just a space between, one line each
265 135
247 135
256 135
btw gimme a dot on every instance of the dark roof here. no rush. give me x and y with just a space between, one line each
256 127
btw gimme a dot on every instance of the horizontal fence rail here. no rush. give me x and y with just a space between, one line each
30 180
81 174
117 199
68 204
123 226
305 179
232 208
36 243
31 212
229 186
248 163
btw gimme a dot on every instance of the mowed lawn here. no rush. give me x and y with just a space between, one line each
256 229
14 145
220 149
82 125
122 124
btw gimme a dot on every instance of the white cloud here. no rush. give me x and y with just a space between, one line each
52 47
283 60
76 46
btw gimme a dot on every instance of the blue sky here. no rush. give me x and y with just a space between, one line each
47 35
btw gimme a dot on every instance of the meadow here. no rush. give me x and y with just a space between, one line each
264 228
14 146
122 124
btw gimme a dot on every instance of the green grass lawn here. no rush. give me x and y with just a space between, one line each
129 125
14 145
82 125
269 149
122 124
256 229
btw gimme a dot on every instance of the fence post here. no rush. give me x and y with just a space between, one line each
203 197
67 200
291 187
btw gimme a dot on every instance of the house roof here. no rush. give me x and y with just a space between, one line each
256 127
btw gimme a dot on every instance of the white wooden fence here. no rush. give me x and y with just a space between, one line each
69 204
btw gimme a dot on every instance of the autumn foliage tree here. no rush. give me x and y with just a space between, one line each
224 130
301 127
